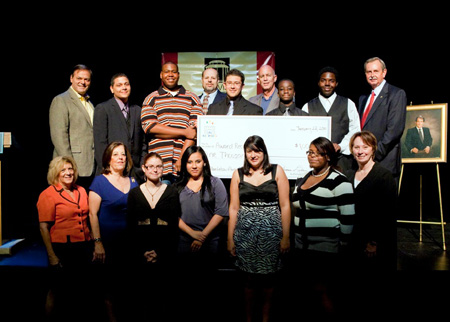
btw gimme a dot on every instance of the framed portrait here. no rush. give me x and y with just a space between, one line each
424 139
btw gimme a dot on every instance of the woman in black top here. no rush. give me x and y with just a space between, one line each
375 204
153 214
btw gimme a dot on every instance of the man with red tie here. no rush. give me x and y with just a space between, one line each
383 112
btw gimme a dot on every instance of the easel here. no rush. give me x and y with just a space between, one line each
6 247
421 222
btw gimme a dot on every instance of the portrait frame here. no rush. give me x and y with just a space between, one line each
434 125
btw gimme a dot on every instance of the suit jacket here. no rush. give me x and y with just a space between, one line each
274 102
241 107
293 110
110 125
413 139
376 208
71 131
386 121
219 96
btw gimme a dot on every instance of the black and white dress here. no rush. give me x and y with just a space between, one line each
258 231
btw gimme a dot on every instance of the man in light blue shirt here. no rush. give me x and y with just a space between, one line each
211 93
268 99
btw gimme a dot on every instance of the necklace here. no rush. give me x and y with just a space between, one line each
319 175
152 194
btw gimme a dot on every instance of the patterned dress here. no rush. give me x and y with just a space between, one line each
258 231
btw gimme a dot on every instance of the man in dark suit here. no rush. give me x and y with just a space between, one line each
286 105
211 94
117 120
383 113
418 139
234 103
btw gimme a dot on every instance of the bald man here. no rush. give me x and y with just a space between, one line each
268 99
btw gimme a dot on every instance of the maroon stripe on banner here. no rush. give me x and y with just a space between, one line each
264 58
166 57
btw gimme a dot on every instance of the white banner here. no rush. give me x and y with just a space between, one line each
192 64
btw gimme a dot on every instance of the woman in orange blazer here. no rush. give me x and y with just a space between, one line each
63 210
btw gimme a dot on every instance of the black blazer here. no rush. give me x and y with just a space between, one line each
110 125
413 139
294 110
241 107
386 121
376 209
219 97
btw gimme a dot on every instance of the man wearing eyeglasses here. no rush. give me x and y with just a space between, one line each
234 103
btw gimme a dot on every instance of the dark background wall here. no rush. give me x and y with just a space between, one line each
42 49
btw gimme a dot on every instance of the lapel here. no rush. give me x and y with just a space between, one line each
223 107
118 114
78 105
239 106
239 110
274 102
381 98
133 117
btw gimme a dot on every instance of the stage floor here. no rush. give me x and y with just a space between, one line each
422 274
428 255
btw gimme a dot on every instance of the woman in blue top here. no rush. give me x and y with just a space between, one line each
108 198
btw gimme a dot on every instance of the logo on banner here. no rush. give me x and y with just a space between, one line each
222 65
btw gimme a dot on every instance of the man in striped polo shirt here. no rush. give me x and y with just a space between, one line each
169 119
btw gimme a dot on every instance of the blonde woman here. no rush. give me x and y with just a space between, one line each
63 220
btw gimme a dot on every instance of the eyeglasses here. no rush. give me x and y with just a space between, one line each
233 83
314 154
153 167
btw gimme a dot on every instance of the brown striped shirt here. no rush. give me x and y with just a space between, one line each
178 111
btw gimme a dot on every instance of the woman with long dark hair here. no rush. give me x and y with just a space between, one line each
258 230
204 205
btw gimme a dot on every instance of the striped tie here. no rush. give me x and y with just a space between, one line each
205 104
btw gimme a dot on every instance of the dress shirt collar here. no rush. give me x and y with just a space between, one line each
211 98
236 100
327 101
122 105
86 97
283 107
378 89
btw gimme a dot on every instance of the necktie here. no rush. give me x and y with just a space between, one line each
421 134
125 111
205 103
286 113
366 112
87 106
231 108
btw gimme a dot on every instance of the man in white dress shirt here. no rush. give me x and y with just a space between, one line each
345 117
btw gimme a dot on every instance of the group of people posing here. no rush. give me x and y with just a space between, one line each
161 212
